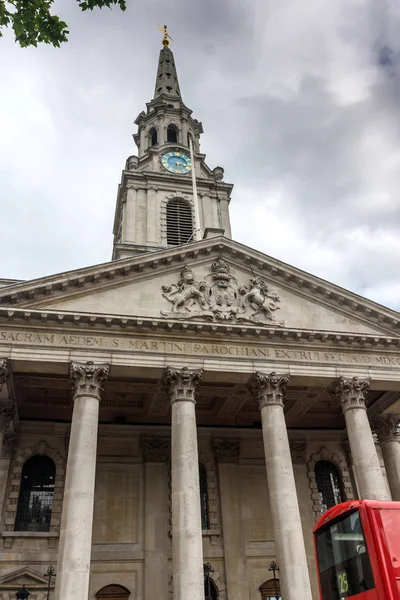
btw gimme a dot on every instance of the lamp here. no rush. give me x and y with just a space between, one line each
23 593
274 568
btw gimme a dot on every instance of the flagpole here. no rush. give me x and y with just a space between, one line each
197 233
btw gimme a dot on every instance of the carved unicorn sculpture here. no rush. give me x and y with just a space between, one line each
260 300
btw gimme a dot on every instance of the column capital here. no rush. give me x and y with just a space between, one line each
156 449
386 427
180 384
227 451
351 392
7 412
268 389
10 444
298 452
88 379
3 372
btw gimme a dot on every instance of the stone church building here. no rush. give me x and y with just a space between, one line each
174 420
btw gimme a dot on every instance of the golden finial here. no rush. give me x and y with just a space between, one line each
167 37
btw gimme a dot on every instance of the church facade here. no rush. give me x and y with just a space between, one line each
174 421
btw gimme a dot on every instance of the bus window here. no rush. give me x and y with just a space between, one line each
391 524
344 565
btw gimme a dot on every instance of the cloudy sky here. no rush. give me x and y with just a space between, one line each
300 103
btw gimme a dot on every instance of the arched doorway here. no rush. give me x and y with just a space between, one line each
270 590
113 592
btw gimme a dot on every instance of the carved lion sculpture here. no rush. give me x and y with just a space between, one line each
185 293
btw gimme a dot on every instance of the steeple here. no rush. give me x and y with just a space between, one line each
167 78
168 194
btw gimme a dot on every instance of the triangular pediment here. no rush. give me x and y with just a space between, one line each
25 576
216 281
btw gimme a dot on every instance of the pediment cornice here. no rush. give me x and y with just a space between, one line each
113 273
97 323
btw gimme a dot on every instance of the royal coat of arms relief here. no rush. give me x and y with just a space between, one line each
220 297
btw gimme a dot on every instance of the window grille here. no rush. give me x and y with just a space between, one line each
179 222
205 521
36 495
328 484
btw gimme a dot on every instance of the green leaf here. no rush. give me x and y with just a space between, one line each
33 22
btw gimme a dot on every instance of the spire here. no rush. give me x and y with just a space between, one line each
167 78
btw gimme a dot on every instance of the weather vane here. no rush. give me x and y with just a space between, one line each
167 37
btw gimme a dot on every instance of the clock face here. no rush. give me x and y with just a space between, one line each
176 162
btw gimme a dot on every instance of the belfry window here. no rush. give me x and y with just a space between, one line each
205 519
179 222
328 484
36 495
172 133
153 137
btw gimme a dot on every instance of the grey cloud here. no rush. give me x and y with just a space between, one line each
301 111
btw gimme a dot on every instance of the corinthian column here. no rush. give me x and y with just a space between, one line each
290 550
75 546
187 543
368 472
387 429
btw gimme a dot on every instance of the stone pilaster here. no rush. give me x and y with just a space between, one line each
7 409
7 413
156 453
268 391
386 428
73 571
227 453
368 473
3 372
187 544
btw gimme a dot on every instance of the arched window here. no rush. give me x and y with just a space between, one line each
153 137
329 484
270 590
179 222
36 495
113 592
172 134
210 589
205 520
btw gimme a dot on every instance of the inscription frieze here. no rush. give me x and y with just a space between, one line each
127 343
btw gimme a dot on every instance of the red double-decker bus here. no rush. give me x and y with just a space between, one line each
357 547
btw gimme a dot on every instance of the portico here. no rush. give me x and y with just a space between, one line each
176 405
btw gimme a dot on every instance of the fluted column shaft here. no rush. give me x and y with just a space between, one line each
290 550
369 476
387 429
73 570
187 543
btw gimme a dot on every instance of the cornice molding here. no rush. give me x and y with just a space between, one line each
149 324
276 272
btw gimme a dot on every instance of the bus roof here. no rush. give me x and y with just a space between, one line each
340 509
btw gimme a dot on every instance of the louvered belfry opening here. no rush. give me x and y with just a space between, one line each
179 222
